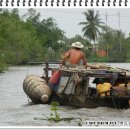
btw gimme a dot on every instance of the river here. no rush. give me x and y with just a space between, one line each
16 111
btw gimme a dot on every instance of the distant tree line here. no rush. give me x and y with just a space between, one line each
30 38
27 38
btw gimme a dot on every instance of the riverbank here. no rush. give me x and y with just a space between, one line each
3 67
96 59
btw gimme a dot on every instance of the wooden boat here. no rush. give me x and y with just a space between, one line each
74 89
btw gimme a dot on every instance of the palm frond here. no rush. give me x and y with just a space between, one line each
92 25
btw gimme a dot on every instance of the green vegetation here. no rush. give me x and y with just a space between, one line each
92 25
27 38
95 58
55 116
30 38
112 41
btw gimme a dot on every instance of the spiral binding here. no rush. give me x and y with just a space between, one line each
64 3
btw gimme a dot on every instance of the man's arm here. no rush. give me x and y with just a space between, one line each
84 60
66 55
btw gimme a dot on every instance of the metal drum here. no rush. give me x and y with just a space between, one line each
37 89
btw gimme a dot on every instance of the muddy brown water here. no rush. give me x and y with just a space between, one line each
16 111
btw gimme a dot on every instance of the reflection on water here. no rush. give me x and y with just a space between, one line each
15 110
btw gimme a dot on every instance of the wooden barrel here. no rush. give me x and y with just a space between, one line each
36 88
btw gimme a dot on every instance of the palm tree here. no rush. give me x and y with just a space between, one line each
93 25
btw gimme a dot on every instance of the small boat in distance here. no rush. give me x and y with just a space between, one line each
112 86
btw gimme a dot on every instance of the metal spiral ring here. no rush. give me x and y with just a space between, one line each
64 2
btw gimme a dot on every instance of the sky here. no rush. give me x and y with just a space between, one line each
68 19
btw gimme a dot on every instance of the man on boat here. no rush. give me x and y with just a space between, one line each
74 57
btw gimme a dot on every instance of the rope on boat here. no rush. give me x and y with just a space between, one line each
28 99
114 102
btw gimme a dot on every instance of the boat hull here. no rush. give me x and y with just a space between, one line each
91 102
35 87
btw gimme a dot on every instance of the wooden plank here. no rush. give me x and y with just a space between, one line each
88 73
